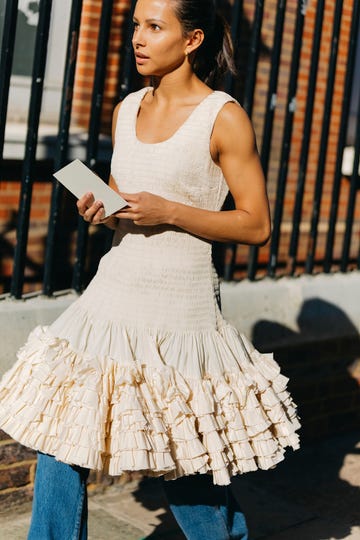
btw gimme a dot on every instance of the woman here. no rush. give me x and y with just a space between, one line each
142 372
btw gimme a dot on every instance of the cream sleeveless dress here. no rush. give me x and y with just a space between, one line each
142 373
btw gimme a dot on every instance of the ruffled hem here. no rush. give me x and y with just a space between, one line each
132 415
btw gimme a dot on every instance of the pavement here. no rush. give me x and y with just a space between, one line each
313 495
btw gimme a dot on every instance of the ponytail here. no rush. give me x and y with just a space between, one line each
214 57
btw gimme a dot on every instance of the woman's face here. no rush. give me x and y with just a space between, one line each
158 40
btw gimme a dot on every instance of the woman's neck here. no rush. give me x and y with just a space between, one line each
173 88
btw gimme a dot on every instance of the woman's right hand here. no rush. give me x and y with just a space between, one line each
93 211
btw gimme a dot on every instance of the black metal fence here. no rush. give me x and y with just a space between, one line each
248 39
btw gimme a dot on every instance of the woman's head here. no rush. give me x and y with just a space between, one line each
192 27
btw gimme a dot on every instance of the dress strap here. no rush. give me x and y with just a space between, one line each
212 107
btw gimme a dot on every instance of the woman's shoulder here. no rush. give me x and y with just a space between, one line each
231 113
233 123
223 97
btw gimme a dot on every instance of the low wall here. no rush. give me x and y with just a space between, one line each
312 323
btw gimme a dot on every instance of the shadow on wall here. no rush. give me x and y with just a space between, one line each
318 359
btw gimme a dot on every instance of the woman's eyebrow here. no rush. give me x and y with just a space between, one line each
152 20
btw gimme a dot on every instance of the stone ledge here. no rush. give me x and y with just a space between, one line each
294 311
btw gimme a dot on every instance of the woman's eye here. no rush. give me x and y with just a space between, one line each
155 27
135 25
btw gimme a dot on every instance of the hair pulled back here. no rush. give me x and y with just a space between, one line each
215 55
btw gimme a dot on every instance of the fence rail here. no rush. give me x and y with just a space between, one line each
277 110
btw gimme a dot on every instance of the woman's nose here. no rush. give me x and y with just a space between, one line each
138 37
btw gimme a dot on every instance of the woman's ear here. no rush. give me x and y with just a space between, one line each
195 39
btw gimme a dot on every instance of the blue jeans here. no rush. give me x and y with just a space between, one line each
201 509
60 501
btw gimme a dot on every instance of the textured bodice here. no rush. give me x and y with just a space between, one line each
179 168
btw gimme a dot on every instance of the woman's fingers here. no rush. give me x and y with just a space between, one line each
123 214
145 209
85 202
95 213
92 211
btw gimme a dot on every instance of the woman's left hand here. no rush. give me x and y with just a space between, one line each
145 209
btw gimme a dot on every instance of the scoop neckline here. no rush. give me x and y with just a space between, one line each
148 89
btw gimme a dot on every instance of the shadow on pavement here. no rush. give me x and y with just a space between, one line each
305 489
318 485
151 496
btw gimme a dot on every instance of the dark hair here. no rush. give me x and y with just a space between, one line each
214 57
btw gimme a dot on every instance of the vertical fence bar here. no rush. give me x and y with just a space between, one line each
62 142
285 152
255 44
94 129
354 36
6 58
128 64
354 186
269 114
27 179
236 18
304 153
324 138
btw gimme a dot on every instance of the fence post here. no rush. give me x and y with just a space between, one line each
62 143
6 58
94 129
27 179
269 118
286 144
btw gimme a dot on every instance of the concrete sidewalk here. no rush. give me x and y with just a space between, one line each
313 495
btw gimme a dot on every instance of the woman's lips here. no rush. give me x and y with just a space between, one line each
141 58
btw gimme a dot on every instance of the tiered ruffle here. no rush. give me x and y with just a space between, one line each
126 413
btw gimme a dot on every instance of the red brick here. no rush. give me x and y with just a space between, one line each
16 476
14 452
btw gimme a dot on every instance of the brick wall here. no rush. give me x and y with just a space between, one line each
39 215
17 474
17 471
87 58
258 119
